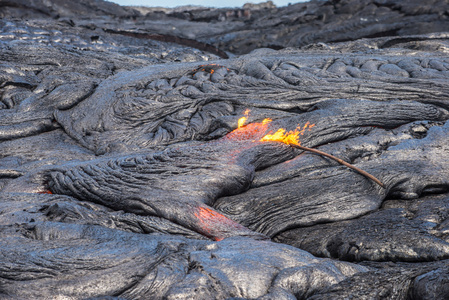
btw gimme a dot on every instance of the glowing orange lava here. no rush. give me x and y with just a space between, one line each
252 131
210 220
257 132
45 192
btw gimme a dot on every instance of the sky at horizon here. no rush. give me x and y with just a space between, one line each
207 3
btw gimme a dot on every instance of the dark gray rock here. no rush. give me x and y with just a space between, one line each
121 160
60 8
52 260
297 25
241 30
311 177
390 234
387 281
431 285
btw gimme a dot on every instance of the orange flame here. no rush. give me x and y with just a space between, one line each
291 137
256 131
266 121
242 120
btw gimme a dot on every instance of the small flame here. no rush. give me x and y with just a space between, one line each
266 121
291 137
242 120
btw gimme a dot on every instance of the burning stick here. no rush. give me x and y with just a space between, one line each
292 138
366 174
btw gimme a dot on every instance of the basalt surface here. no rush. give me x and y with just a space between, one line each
124 173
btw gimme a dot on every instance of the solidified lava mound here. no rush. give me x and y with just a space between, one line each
135 163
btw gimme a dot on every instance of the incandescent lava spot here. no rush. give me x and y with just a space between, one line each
210 68
45 192
215 225
257 132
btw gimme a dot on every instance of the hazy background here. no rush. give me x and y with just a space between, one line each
208 3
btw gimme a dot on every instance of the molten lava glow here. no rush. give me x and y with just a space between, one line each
45 192
209 219
256 132
291 137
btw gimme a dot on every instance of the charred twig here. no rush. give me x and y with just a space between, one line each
366 174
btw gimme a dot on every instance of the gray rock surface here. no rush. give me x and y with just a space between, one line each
124 175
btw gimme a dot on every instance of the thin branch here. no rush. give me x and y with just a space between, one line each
366 174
